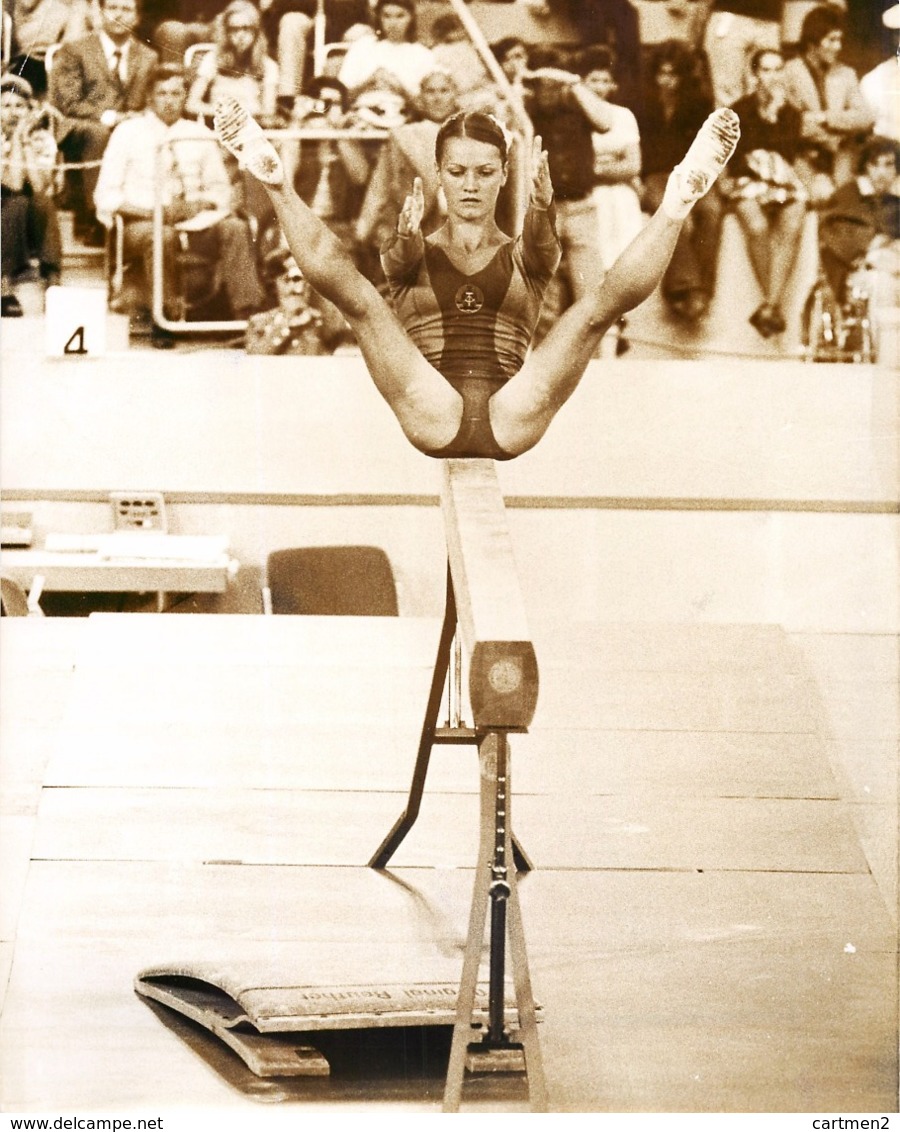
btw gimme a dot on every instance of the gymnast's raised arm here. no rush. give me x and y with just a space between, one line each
541 252
402 253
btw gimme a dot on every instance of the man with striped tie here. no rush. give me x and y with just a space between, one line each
95 82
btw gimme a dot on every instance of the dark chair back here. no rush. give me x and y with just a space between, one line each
354 581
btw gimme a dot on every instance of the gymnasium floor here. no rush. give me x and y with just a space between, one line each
711 810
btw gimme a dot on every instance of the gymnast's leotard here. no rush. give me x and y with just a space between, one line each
474 329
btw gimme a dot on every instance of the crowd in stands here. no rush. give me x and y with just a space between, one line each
106 110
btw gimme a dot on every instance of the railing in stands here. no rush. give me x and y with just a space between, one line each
299 134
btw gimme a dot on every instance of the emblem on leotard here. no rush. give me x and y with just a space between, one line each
469 299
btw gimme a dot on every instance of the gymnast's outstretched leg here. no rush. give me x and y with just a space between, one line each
522 410
428 408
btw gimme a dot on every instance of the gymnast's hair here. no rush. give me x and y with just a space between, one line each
472 124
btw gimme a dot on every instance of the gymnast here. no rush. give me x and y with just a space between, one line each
452 355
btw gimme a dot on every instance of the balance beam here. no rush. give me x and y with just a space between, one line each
503 687
485 609
503 672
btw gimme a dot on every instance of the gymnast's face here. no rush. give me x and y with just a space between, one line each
471 173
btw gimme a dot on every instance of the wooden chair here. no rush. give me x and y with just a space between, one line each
198 273
356 581
329 60
7 38
14 602
194 56
48 57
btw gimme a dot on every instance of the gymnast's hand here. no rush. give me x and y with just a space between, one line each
413 210
541 185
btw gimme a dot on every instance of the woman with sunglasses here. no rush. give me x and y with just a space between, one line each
239 66
451 355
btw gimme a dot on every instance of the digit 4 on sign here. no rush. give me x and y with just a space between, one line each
75 323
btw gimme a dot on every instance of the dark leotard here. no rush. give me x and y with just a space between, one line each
474 329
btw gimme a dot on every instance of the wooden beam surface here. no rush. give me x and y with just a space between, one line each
503 674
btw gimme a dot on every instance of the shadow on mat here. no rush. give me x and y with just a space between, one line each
408 1062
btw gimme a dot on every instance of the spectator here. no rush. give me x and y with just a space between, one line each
394 63
735 31
872 196
617 162
301 323
881 86
38 25
29 220
331 174
191 21
97 82
565 113
286 29
289 25
455 53
612 24
762 188
408 153
196 195
835 114
675 105
513 56
862 221
239 65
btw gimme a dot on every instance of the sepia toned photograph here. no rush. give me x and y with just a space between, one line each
508 392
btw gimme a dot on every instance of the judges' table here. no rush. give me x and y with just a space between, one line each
122 562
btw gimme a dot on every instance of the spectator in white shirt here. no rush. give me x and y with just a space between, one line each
196 194
881 86
393 62
617 162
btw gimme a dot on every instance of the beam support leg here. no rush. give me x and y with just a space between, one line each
407 819
496 885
